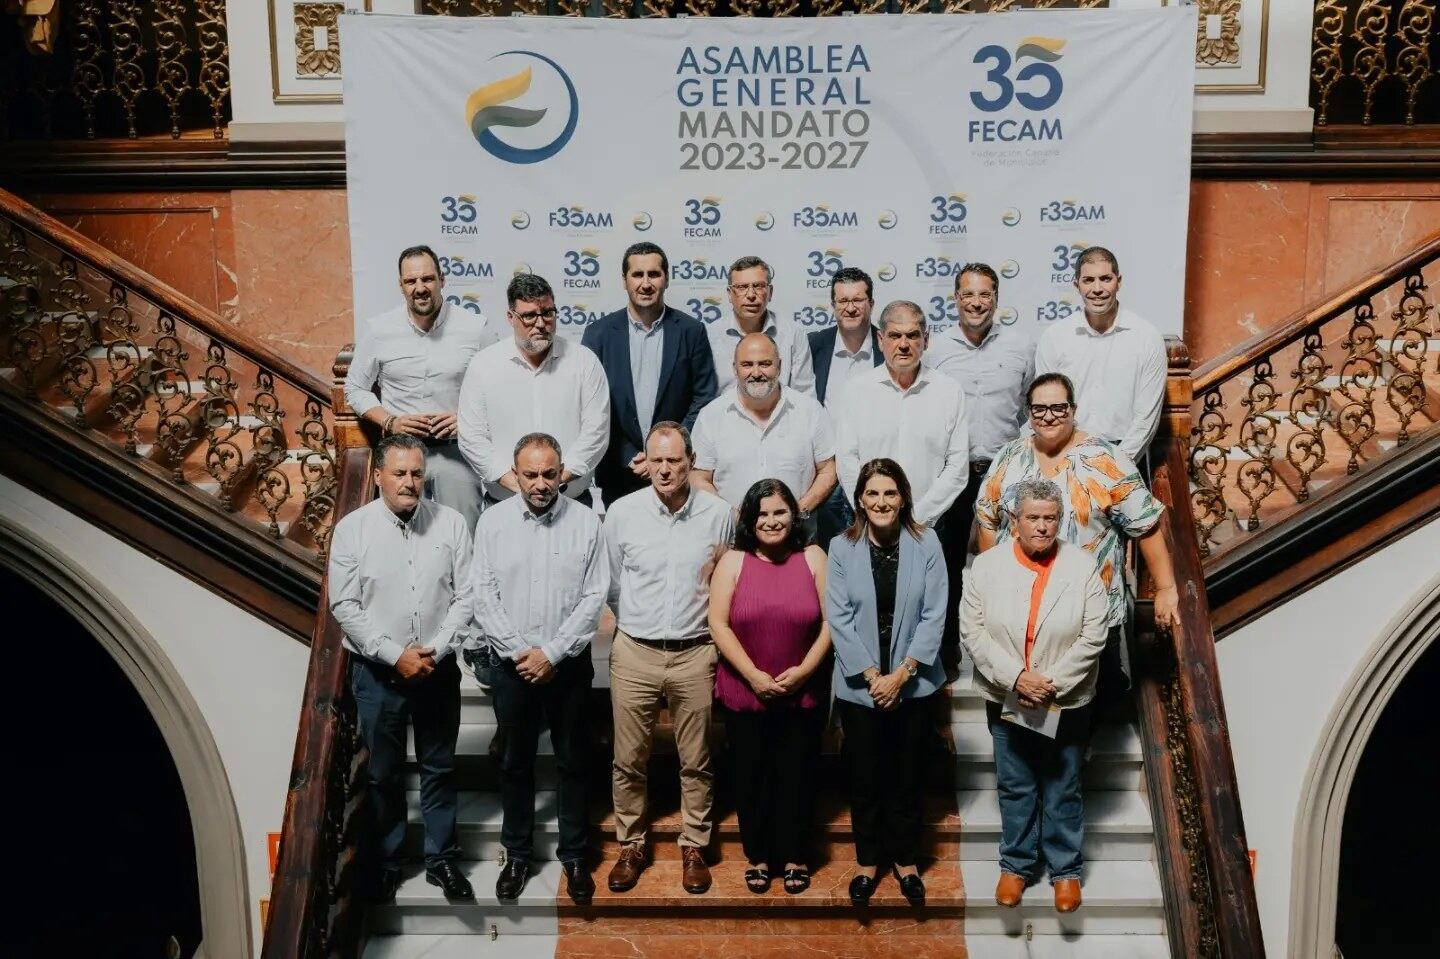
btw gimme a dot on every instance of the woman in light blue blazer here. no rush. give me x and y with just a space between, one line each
885 601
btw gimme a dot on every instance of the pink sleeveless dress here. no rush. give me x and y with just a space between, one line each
776 614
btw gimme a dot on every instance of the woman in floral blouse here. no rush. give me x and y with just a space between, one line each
1104 499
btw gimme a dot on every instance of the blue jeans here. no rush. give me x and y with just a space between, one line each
1042 813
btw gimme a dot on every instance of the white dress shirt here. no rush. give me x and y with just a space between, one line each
994 376
660 562
922 428
417 371
796 369
647 352
788 446
503 398
1119 376
396 583
846 366
540 581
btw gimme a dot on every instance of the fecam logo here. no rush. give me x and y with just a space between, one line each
765 222
697 270
821 219
823 265
489 107
1063 266
457 215
1034 84
1009 269
937 268
1071 211
886 272
459 268
947 214
814 316
702 218
576 314
575 217
888 219
643 221
1011 216
1052 310
470 302
520 220
705 310
582 270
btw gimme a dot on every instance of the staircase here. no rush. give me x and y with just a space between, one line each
1123 913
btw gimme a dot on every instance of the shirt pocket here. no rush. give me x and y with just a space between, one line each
1006 378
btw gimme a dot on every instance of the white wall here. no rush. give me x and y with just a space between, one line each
246 676
1281 677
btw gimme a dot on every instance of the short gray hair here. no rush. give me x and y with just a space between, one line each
396 441
1042 489
895 307
538 439
749 263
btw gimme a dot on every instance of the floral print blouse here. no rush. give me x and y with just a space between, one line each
1102 497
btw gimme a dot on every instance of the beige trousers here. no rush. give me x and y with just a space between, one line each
639 676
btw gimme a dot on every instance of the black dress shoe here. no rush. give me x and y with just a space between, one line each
912 888
382 888
861 889
513 877
578 882
450 880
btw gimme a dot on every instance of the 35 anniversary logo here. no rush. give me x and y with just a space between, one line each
490 107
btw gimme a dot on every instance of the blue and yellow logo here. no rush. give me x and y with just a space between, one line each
489 107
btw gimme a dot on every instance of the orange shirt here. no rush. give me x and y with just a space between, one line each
1041 569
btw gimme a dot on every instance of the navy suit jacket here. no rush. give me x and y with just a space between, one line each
822 351
687 383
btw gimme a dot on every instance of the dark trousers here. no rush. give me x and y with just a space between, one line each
953 530
884 753
833 517
385 708
1042 811
621 484
521 708
775 755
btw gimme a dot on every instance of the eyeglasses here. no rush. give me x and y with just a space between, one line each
856 302
1057 410
530 316
743 288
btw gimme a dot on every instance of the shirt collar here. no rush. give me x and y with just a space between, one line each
434 327
637 327
552 355
768 327
547 517
739 407
922 376
1122 322
405 525
957 335
682 513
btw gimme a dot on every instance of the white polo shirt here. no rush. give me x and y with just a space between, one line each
788 447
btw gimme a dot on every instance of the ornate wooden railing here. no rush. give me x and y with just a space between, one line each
1372 61
1314 403
1195 804
166 389
315 906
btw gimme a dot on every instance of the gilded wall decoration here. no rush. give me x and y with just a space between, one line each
1217 35
317 39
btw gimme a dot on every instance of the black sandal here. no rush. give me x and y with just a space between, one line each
757 880
797 880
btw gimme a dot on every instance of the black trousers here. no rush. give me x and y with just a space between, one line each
775 755
884 753
521 708
953 530
385 708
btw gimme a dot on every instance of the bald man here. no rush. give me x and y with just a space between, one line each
759 429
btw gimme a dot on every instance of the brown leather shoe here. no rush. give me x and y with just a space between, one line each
627 869
1067 895
1009 890
694 875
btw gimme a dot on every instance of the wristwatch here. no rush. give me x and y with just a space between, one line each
911 668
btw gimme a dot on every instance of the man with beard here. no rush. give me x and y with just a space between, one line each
533 383
659 366
1115 359
415 356
541 578
993 365
752 283
758 429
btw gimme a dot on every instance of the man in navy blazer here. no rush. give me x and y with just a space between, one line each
659 365
851 345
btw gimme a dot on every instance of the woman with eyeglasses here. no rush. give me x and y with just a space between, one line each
885 599
1104 503
772 682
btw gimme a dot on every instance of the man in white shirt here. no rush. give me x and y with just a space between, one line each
751 286
541 578
1115 359
911 414
400 588
533 382
406 371
758 429
663 543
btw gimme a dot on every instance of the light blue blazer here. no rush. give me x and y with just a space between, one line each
921 589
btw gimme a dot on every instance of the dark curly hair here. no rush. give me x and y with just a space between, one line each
745 538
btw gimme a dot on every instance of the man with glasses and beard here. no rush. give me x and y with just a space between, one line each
541 578
752 283
406 372
758 429
534 383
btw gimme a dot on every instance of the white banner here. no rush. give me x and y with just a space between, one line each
904 145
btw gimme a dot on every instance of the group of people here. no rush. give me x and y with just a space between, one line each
786 526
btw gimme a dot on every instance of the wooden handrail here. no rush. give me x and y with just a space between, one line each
1232 361
315 910
1210 894
86 250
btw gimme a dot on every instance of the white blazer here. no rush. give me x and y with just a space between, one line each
1070 630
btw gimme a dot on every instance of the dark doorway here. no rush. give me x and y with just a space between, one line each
1391 840
101 854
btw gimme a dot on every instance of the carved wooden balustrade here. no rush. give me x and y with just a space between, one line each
137 368
1314 403
1210 903
1372 61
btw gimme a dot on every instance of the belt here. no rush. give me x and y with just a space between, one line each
432 442
671 645
979 466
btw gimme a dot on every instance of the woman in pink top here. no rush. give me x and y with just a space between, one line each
773 680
